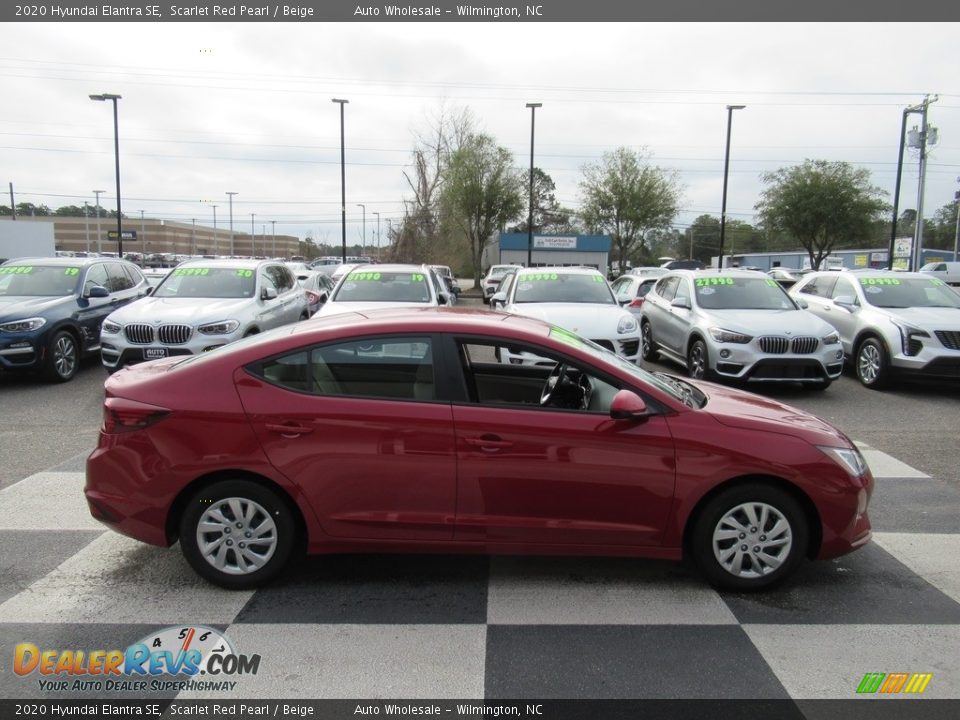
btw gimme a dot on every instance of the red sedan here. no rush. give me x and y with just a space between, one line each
398 430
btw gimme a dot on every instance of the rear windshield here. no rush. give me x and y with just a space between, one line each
384 286
887 292
38 280
203 282
563 288
741 293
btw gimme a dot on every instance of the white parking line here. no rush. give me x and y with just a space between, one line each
887 466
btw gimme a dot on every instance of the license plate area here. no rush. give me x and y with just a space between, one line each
154 353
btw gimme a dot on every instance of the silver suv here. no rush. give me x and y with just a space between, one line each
737 325
888 321
199 306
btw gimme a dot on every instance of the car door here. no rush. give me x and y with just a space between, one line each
656 309
678 320
357 427
92 311
844 317
269 309
528 474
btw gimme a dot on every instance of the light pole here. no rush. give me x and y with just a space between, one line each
533 111
273 233
193 236
143 233
378 234
253 247
230 195
86 223
926 137
98 193
216 242
116 153
343 182
363 240
726 171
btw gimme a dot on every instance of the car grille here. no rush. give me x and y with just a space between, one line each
629 348
774 345
139 334
143 334
605 344
949 338
174 334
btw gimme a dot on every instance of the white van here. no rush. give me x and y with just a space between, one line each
949 272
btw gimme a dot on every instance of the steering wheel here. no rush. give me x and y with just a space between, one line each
554 379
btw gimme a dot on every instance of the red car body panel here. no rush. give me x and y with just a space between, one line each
414 476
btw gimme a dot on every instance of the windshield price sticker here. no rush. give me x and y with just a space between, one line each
707 282
543 276
244 273
598 279
416 277
16 270
191 271
373 276
565 336
879 281
772 283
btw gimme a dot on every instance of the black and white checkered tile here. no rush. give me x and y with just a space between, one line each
504 627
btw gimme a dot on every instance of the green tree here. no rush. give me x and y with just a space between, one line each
821 203
626 197
548 216
31 209
482 193
69 211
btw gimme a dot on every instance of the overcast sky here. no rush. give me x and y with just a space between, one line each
212 107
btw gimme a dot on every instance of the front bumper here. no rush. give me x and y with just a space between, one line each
116 351
749 363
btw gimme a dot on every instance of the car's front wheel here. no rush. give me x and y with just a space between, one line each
749 537
63 357
873 364
648 349
698 361
237 534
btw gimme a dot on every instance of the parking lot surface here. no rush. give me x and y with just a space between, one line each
421 626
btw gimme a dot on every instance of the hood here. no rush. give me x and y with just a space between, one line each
15 307
741 409
585 319
334 308
189 311
757 323
926 318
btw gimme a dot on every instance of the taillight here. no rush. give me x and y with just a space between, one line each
636 302
121 415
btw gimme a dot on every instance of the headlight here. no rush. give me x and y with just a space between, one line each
223 327
728 336
110 328
849 459
26 325
907 335
627 325
832 339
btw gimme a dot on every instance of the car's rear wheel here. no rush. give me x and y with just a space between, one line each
648 349
749 537
63 357
698 361
872 364
237 534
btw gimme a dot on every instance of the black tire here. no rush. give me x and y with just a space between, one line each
872 364
698 361
648 348
268 513
729 507
63 357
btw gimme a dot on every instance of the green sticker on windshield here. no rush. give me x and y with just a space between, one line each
541 276
16 270
244 273
879 281
597 278
565 336
71 271
372 276
193 271
706 282
772 283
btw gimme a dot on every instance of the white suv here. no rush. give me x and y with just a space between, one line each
202 305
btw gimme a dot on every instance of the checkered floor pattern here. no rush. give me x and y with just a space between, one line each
476 627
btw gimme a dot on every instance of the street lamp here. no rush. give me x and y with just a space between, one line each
216 240
378 234
98 193
343 182
273 233
533 110
230 195
116 152
726 170
253 246
363 242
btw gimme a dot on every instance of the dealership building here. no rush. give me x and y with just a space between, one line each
512 249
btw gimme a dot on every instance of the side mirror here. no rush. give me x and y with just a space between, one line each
802 303
268 293
98 291
627 405
847 302
442 299
681 302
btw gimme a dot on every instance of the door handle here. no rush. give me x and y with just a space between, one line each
289 430
488 443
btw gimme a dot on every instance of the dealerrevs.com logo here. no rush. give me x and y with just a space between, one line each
191 650
894 683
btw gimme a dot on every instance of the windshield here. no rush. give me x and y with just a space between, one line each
498 271
205 282
553 287
384 286
887 292
38 280
741 293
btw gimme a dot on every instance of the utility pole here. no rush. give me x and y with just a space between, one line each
98 193
956 235
216 242
13 209
193 236
273 232
921 139
143 233
230 195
